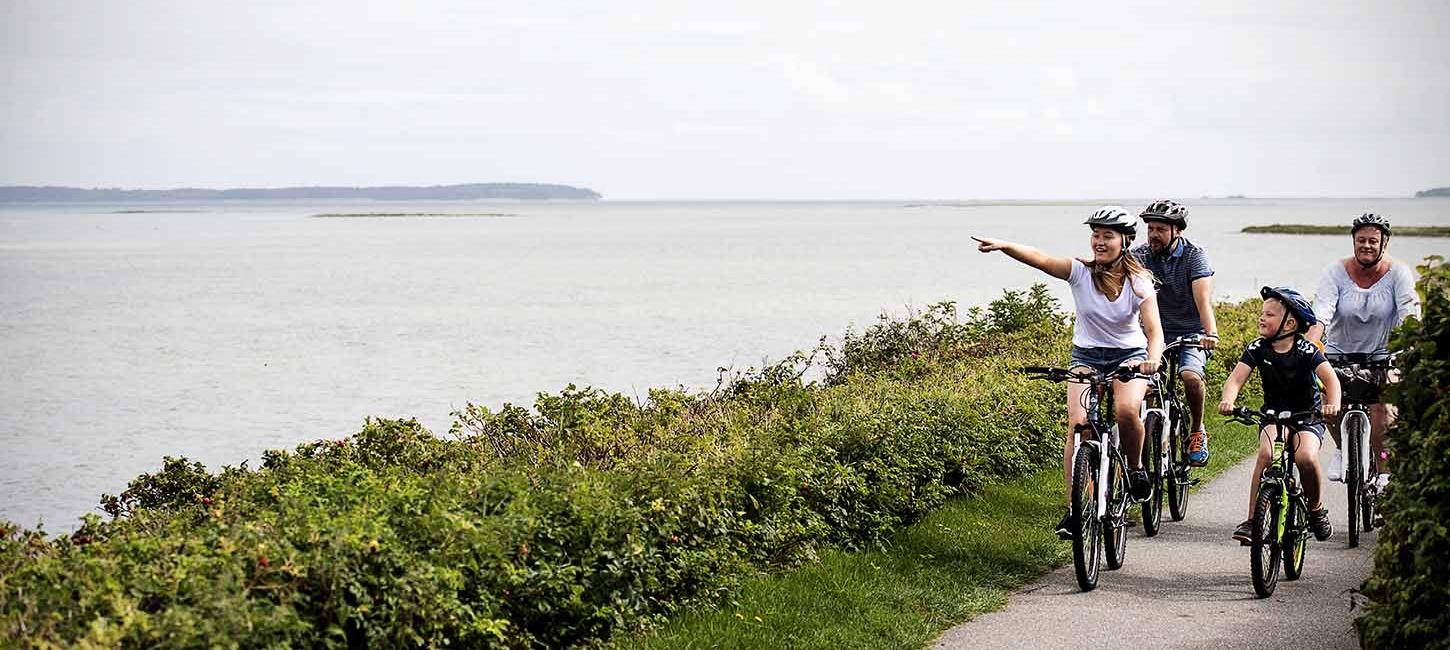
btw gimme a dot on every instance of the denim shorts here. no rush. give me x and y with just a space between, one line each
1193 359
1105 359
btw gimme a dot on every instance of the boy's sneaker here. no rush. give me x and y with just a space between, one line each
1138 486
1319 524
1245 533
1336 466
1198 448
1065 526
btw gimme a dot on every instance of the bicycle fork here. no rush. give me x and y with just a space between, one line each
1100 470
1283 487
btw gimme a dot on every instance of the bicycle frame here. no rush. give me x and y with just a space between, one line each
1163 390
1105 437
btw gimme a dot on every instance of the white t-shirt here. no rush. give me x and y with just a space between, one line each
1103 323
1360 320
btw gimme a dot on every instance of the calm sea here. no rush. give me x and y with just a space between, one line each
218 331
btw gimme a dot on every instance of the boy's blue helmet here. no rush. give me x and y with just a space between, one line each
1300 307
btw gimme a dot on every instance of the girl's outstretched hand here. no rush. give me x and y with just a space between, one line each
988 245
1225 407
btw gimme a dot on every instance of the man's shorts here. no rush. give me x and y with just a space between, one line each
1192 359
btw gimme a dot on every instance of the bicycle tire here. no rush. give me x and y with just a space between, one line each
1115 529
1296 539
1265 554
1353 474
1086 534
1152 509
1179 470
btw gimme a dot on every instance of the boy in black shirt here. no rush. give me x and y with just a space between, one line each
1288 365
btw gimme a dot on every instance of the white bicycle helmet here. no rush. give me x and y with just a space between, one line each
1370 219
1115 217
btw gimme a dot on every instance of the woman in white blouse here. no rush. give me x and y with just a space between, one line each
1360 299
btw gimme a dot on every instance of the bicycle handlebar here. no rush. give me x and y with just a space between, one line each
1255 417
1190 341
1121 373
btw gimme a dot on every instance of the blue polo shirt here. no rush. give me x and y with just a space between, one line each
1176 269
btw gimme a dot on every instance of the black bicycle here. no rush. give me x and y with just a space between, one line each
1280 535
1361 377
1099 491
1165 440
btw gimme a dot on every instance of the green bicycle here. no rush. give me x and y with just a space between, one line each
1281 514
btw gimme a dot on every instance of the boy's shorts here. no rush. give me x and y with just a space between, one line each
1316 427
1105 359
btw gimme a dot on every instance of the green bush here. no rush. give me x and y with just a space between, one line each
556 525
1409 592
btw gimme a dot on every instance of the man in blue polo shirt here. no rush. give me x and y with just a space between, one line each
1185 305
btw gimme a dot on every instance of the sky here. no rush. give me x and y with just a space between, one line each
737 100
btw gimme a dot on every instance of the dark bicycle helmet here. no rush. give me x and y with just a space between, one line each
1300 307
1167 211
1116 218
1370 219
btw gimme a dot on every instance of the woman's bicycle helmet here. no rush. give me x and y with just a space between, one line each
1116 218
1370 219
1297 305
1167 211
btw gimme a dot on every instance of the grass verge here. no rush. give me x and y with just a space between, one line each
960 561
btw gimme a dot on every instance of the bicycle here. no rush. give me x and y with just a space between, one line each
1361 376
1281 514
1165 440
1099 491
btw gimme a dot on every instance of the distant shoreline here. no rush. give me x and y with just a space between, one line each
1304 229
466 192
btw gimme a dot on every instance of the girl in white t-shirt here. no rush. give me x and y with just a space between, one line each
1117 324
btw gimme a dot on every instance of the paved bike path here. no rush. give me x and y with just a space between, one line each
1189 587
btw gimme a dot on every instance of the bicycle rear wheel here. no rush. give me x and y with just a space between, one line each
1178 470
1115 524
1296 539
1354 424
1087 540
1153 462
1265 553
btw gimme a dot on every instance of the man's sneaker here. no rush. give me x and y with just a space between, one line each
1198 448
1138 485
1319 524
1245 533
1336 465
1065 526
1381 481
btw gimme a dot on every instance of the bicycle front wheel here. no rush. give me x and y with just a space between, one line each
1115 523
1353 433
1087 540
1296 539
1178 469
1265 552
1153 435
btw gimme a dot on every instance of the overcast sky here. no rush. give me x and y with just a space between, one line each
792 100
